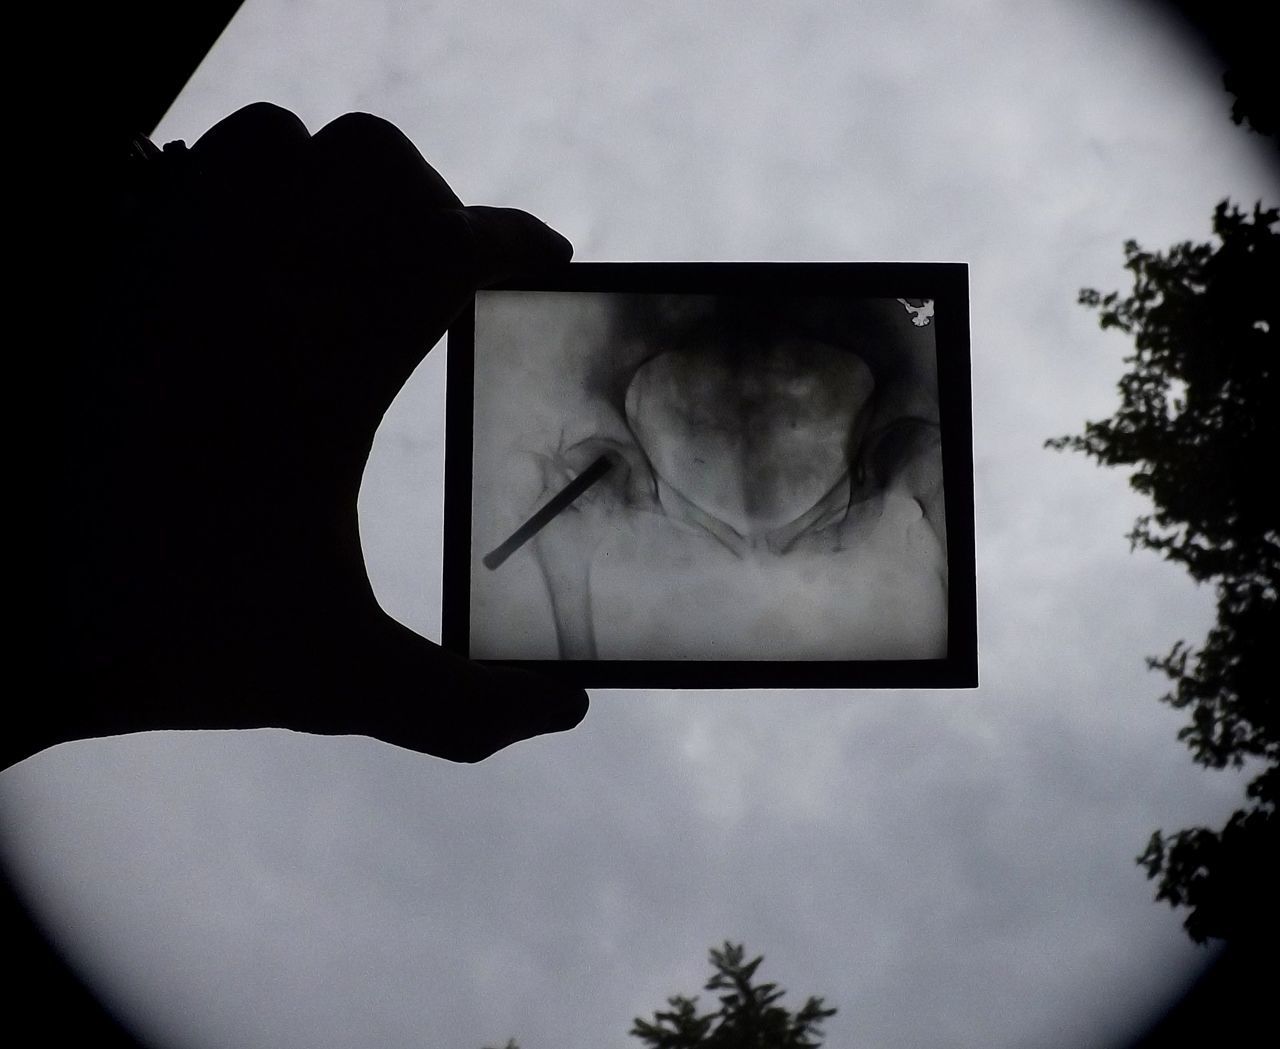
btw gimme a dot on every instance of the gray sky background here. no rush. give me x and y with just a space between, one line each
949 869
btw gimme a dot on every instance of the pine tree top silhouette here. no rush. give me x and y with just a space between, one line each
749 1015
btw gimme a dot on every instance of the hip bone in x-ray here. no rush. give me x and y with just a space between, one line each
765 478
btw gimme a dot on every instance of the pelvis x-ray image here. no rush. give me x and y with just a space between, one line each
706 477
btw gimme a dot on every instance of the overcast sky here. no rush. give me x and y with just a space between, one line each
949 869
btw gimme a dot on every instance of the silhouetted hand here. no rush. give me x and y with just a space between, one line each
255 303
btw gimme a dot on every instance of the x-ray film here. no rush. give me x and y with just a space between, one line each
715 475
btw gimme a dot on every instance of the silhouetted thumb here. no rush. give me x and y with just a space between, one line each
424 698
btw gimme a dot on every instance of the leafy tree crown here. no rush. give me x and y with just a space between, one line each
1197 424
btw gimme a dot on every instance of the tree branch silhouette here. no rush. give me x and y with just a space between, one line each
1198 425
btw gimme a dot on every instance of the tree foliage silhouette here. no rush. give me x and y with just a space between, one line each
1198 425
1231 29
749 1016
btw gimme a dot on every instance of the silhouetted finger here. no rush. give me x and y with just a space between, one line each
373 196
374 161
500 242
256 147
